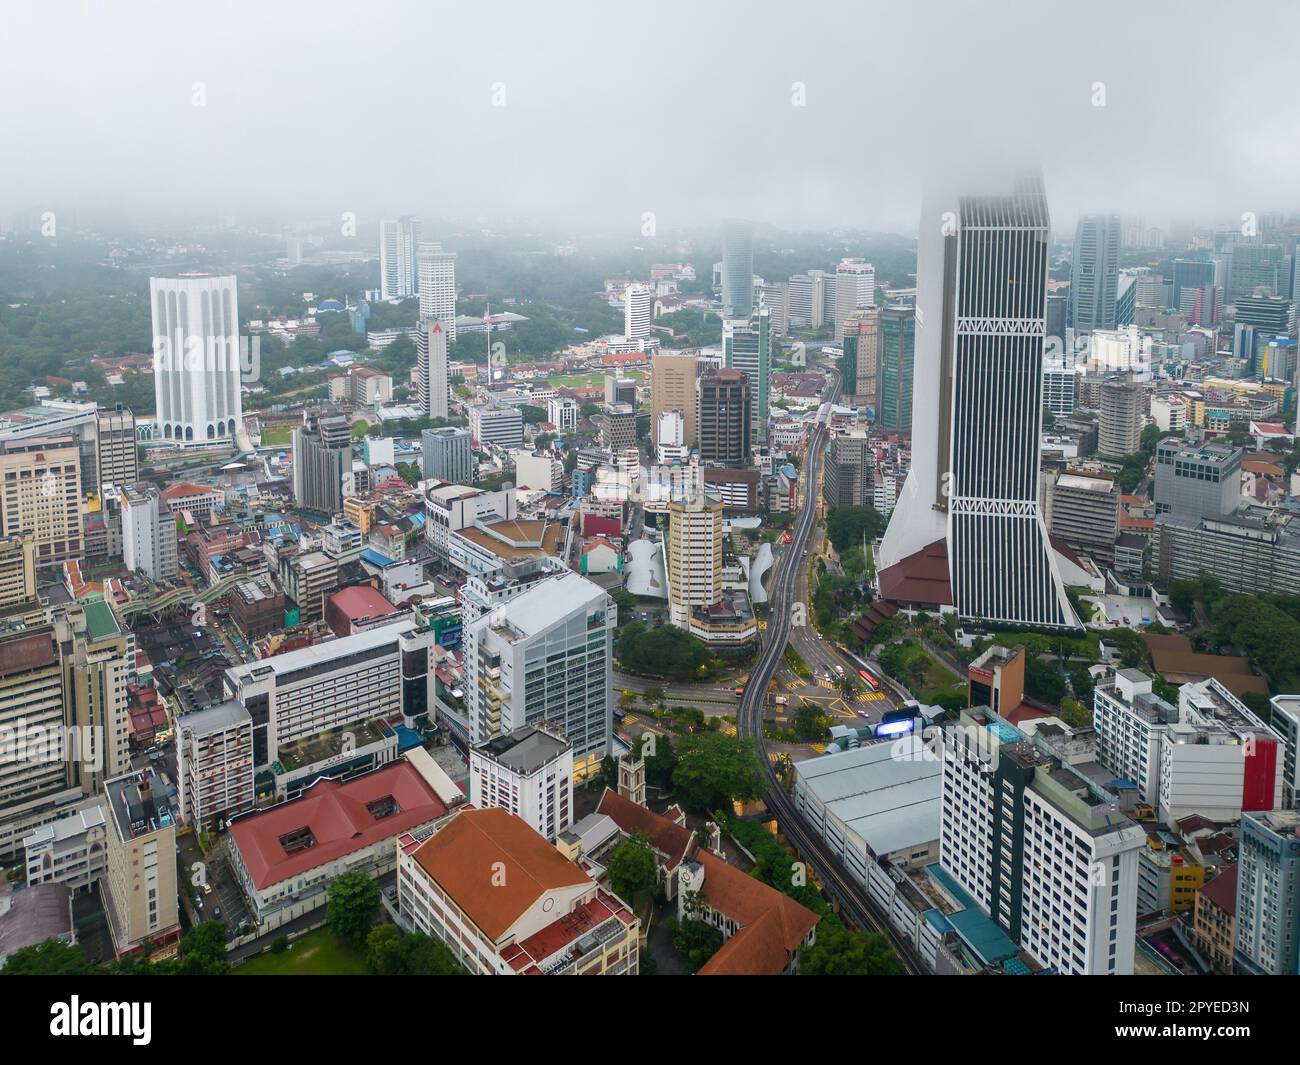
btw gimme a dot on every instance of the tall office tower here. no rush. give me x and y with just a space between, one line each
860 367
848 481
116 447
41 482
1042 850
776 298
322 455
1260 266
546 657
17 570
1150 289
503 426
148 532
140 881
808 300
619 390
1268 894
431 367
436 272
674 386
855 289
897 349
1094 273
1125 300
977 405
670 430
693 558
1190 273
618 427
1058 314
1271 315
1203 306
446 454
726 411
747 347
737 268
1119 429
196 357
399 240
638 311
1084 512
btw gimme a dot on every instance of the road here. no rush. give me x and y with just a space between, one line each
838 884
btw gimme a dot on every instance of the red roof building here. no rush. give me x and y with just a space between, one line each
358 608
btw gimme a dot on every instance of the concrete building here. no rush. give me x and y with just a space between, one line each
747 347
1094 273
855 289
1197 480
1285 721
322 455
860 366
546 657
693 558
214 764
17 570
116 447
196 358
673 387
1084 512
41 479
141 873
451 508
638 311
431 338
1267 939
563 412
502 426
726 414
537 913
848 480
399 238
436 270
308 579
1254 550
528 773
618 427
447 454
148 532
897 354
737 268
1130 721
72 850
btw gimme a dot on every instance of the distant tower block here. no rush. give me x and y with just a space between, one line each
631 778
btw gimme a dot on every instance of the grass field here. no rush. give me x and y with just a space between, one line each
319 953
591 379
277 436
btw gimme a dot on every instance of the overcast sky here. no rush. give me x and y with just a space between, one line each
611 110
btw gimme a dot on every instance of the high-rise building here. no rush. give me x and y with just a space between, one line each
528 773
116 447
1085 513
725 417
808 299
1258 267
502 426
860 366
747 347
638 311
1042 850
737 268
40 482
399 240
563 412
141 873
674 386
693 557
214 764
776 298
148 532
897 351
1190 273
436 270
196 358
446 454
855 289
17 570
431 367
1119 427
1197 480
849 481
977 408
1270 315
619 390
1094 273
322 455
547 657
1268 894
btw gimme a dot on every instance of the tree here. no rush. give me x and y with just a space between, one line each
696 941
633 871
203 950
666 651
839 952
353 905
410 472
384 950
809 723
50 958
661 763
1043 681
392 952
846 526
713 769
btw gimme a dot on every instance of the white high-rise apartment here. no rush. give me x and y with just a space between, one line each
196 357
563 412
398 240
855 289
693 558
148 532
638 311
530 774
437 279
546 657
431 362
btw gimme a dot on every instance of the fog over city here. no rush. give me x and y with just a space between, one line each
590 115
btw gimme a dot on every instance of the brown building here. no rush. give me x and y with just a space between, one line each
257 607
1215 918
673 386
725 411
40 493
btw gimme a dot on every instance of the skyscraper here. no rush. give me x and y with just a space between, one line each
322 454
693 557
196 357
897 350
638 312
737 268
436 274
447 455
398 241
673 386
860 367
725 417
115 441
977 407
855 289
1119 429
1094 273
747 347
431 367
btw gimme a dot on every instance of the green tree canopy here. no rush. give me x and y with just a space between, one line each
353 905
714 768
